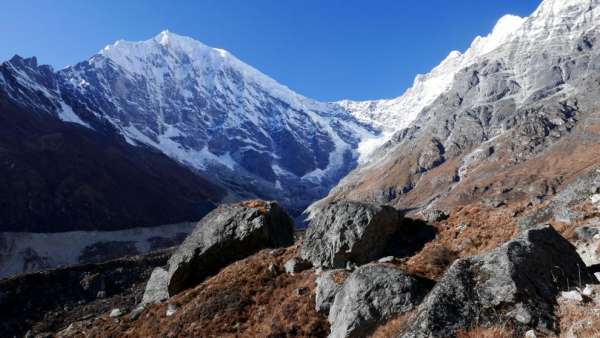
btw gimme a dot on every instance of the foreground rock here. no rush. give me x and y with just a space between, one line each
227 234
371 295
155 291
328 285
344 232
516 284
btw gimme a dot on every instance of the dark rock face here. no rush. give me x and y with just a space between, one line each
371 295
516 283
344 232
229 233
58 176
52 299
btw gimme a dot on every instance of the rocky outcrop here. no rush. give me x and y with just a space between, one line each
517 283
349 232
327 286
77 293
227 234
155 291
371 295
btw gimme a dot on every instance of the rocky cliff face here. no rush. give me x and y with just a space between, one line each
516 118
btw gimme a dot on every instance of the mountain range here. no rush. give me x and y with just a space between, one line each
158 132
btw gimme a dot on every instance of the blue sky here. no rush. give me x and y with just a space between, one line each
324 49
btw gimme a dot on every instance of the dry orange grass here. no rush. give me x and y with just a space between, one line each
393 326
243 300
580 320
470 230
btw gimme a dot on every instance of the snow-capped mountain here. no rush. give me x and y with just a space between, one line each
515 99
207 110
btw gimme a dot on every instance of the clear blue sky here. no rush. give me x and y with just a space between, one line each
325 49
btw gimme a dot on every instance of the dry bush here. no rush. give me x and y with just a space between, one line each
579 319
485 332
242 300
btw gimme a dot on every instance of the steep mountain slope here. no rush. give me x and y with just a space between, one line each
514 122
59 176
204 108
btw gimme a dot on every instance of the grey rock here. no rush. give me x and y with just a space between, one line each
434 215
171 310
387 259
228 233
516 283
135 313
156 288
371 295
346 231
296 264
328 285
114 313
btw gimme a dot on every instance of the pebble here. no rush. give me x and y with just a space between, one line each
171 310
115 313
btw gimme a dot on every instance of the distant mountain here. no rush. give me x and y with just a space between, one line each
512 118
200 106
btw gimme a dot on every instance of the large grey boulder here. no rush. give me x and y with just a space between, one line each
370 296
515 284
346 231
156 288
227 234
328 284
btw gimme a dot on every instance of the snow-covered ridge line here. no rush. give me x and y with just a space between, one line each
398 113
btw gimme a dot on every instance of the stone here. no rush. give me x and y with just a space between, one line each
515 284
370 296
588 291
296 265
345 231
434 215
101 294
530 334
156 287
328 284
387 259
171 310
572 295
135 313
114 313
227 234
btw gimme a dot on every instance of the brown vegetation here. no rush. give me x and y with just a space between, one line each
243 300
393 326
485 332
470 230
580 319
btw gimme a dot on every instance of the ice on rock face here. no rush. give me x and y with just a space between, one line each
208 110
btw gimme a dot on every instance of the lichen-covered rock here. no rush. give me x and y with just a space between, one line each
328 285
516 283
296 264
346 231
371 295
156 288
227 234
